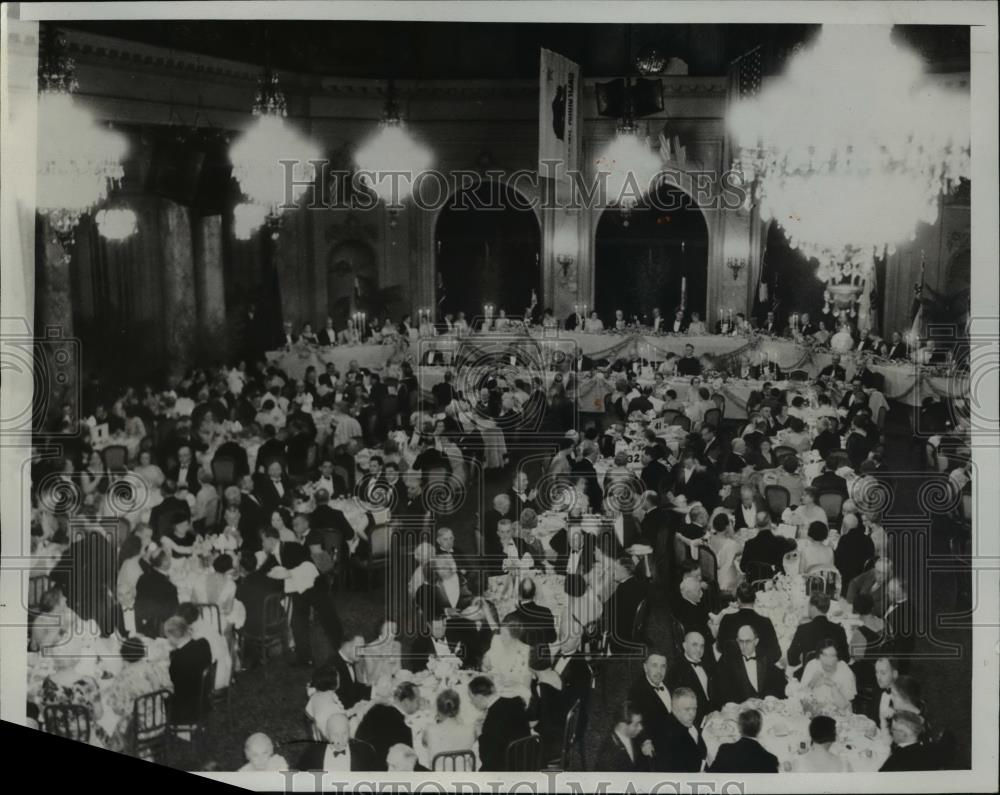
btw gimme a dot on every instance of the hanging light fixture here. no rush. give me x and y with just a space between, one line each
629 163
79 160
392 160
850 166
116 223
260 155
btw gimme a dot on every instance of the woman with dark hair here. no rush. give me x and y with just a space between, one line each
138 677
818 759
281 520
829 679
448 734
815 553
323 699
761 457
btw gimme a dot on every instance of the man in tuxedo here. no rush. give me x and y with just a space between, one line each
163 516
736 459
621 607
521 495
746 755
834 370
252 517
350 691
654 529
748 672
688 364
695 481
765 548
155 596
869 378
339 753
568 545
384 725
684 748
185 473
537 621
449 590
621 751
770 325
747 506
807 636
908 753
657 322
745 615
433 643
624 526
574 322
691 673
655 475
688 605
897 349
858 445
865 342
853 550
491 520
275 490
444 392
583 467
505 720
874 583
715 450
252 590
650 696
678 325
886 674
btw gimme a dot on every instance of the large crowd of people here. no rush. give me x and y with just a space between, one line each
180 521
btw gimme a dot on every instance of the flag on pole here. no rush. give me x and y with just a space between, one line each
558 113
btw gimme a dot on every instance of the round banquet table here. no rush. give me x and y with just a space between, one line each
785 733
905 382
549 592
431 683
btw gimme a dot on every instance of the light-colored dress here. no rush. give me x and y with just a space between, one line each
448 735
815 555
843 677
321 705
507 663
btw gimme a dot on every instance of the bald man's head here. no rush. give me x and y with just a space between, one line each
338 731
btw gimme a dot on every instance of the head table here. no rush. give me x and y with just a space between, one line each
905 382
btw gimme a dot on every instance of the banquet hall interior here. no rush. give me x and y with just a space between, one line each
490 469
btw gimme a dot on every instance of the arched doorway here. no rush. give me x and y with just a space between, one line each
488 246
643 258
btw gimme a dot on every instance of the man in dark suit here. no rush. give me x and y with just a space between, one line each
620 609
716 449
829 480
621 751
521 494
654 529
583 467
765 548
339 752
896 350
688 606
505 720
746 755
746 506
695 481
185 472
745 615
252 590
688 364
807 636
854 549
172 509
678 325
574 322
189 658
444 392
900 623
834 370
908 753
770 325
491 520
655 475
539 626
350 691
384 725
274 448
748 672
434 643
273 490
155 596
684 750
690 672
651 697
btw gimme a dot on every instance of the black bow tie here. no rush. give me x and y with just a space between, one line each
659 688
696 664
748 659
887 690
339 753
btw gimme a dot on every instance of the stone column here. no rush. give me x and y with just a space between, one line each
58 360
210 286
180 303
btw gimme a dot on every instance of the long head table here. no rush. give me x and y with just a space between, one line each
905 382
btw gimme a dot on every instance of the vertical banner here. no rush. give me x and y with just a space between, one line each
558 113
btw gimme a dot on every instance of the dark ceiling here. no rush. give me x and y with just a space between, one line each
463 50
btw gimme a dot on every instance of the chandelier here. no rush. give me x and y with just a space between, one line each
392 160
116 223
261 155
851 148
79 160
630 165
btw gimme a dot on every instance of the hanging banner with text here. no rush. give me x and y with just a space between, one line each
558 114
